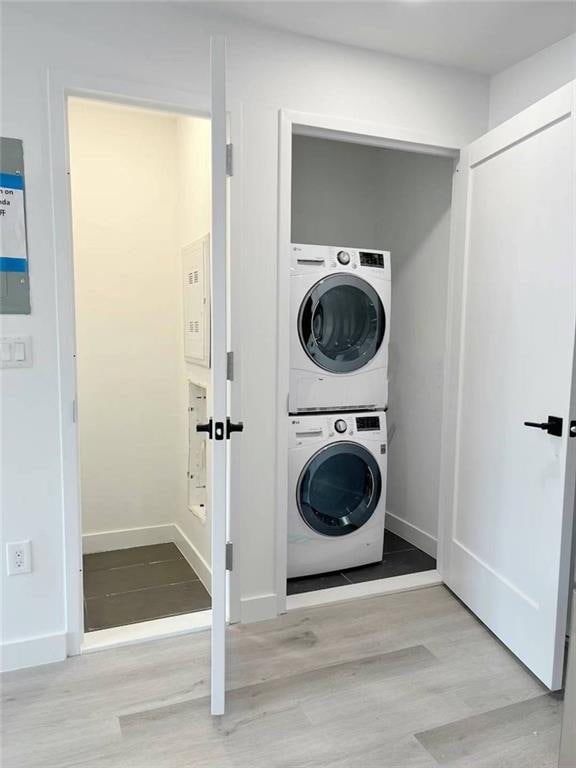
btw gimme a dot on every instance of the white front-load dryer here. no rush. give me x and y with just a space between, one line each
339 321
337 491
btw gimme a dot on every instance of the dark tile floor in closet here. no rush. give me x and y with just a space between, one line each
126 586
399 558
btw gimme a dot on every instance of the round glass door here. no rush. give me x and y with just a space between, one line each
341 323
339 489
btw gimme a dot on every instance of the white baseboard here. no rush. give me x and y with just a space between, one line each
193 556
388 586
259 608
33 652
412 533
124 538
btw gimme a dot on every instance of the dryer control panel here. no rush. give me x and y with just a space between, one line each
306 258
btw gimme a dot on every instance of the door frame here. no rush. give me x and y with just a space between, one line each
369 134
61 85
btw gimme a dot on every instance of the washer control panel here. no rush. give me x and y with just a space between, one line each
312 257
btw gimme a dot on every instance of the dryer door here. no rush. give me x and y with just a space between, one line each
339 489
341 323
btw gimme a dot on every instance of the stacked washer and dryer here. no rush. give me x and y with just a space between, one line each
338 395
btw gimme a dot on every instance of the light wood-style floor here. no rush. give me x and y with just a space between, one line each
400 681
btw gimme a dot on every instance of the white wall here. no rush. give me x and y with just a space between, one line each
348 194
194 212
167 49
128 318
336 193
515 88
415 227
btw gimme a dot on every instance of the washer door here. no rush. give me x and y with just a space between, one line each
339 489
341 323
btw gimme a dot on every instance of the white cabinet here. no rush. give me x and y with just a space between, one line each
196 285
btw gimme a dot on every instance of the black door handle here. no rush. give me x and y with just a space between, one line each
231 427
216 431
572 429
553 426
205 428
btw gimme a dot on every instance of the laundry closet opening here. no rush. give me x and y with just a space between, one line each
140 188
370 238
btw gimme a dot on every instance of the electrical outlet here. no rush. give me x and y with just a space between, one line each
19 557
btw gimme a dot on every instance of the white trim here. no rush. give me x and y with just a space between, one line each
60 85
258 608
125 538
283 351
33 651
193 556
373 141
145 631
358 132
389 586
416 536
371 134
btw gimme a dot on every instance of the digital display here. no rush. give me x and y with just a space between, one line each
372 259
367 423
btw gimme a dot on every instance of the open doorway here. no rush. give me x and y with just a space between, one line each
369 256
140 188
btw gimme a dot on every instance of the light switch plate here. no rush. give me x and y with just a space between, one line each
16 352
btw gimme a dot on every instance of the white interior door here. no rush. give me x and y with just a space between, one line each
218 421
509 488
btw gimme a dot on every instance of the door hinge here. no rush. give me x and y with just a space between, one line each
229 556
230 366
229 160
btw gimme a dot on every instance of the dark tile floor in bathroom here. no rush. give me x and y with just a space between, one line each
399 558
126 586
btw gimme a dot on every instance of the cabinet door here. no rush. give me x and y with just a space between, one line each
508 485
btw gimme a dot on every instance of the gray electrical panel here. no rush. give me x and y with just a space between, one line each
14 278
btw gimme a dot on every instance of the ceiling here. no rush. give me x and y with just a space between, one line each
484 37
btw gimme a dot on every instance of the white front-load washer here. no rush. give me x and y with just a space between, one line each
337 491
339 320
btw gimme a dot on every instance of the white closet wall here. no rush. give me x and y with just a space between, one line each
415 197
348 194
141 190
124 193
194 206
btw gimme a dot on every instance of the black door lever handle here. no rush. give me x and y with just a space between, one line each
553 426
218 430
231 427
205 428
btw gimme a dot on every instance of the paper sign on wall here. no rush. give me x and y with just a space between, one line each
13 255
